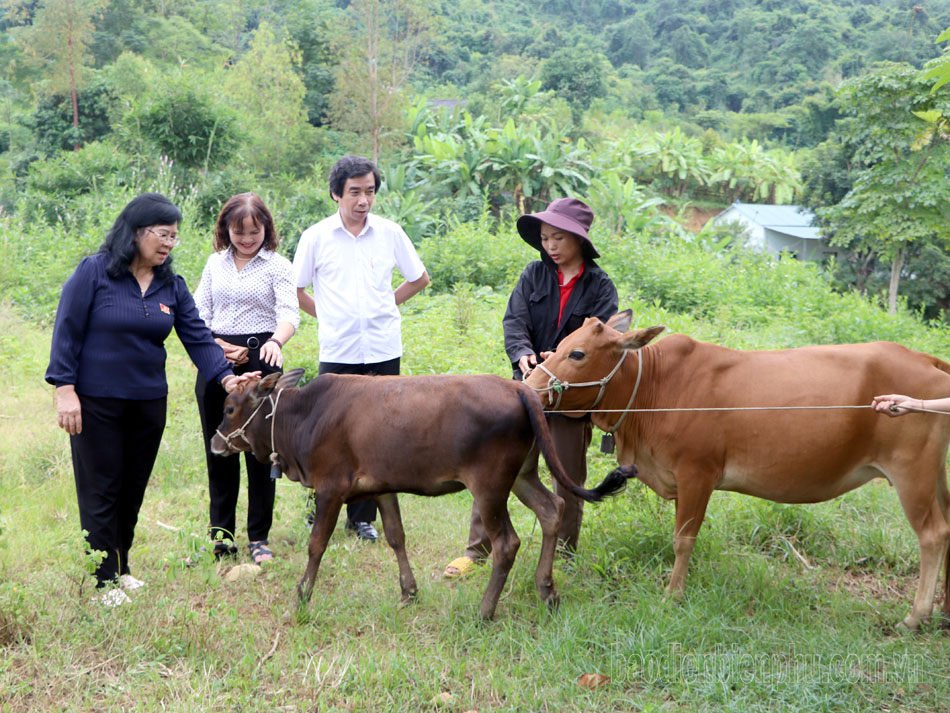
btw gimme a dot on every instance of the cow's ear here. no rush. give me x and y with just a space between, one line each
640 337
621 321
290 379
266 385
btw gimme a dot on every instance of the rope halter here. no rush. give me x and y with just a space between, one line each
555 385
239 432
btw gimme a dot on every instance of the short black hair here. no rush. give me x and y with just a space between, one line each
350 167
141 212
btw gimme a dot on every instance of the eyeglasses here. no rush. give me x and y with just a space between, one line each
166 238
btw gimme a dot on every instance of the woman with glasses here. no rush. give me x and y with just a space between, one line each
107 362
248 298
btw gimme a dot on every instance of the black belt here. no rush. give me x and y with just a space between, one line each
251 341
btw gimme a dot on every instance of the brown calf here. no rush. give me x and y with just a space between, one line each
789 455
354 437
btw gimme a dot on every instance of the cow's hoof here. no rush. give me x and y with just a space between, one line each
674 596
486 615
553 600
409 597
910 625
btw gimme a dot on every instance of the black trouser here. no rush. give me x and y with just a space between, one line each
571 438
224 472
112 462
365 510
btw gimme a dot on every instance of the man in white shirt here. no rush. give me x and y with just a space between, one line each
349 258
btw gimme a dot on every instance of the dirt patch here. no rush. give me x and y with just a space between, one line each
692 218
875 586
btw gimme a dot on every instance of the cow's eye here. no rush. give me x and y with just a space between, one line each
577 355
228 410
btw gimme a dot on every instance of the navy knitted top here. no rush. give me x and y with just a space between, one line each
109 340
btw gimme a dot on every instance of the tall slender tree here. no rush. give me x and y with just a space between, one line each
59 39
385 43
269 95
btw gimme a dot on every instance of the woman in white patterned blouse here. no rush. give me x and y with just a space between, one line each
248 298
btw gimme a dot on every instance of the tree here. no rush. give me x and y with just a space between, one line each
385 42
188 124
308 23
53 122
577 75
269 94
900 132
59 38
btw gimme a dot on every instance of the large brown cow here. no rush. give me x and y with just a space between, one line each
794 455
353 437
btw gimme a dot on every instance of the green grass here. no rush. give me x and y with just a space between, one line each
759 630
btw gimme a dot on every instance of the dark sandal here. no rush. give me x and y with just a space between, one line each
260 552
222 549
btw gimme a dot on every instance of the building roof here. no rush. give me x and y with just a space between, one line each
788 219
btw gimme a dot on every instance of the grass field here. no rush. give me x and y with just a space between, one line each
788 608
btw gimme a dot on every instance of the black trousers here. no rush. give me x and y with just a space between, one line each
224 472
112 462
365 510
571 441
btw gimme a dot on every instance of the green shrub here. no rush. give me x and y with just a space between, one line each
52 183
478 253
190 127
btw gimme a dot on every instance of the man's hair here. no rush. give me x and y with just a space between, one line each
350 167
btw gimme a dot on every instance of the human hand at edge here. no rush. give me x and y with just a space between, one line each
527 363
272 354
894 405
68 409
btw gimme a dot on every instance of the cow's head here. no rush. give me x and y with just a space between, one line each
588 355
245 409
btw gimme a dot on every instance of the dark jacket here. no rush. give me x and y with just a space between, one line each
530 321
109 340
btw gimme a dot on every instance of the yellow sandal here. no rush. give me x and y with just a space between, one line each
459 567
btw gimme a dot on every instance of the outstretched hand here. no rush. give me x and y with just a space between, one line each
895 404
527 363
272 354
231 384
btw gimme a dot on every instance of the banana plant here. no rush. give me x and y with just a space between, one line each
619 203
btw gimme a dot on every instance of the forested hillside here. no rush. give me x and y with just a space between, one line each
772 62
479 109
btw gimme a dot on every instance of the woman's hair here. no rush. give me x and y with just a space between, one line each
234 212
141 212
350 167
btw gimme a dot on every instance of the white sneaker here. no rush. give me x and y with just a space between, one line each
112 598
130 583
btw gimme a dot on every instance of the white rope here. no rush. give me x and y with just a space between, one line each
736 408
274 455
633 394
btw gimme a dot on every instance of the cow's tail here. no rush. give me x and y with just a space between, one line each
615 481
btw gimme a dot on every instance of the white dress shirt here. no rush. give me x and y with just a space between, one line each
250 301
359 322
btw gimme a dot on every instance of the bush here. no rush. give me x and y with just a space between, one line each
298 206
96 166
193 129
475 253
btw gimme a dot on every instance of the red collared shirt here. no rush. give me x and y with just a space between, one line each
566 290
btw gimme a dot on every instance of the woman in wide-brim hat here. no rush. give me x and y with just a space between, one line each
553 297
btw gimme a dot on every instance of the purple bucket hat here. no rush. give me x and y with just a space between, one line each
567 214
